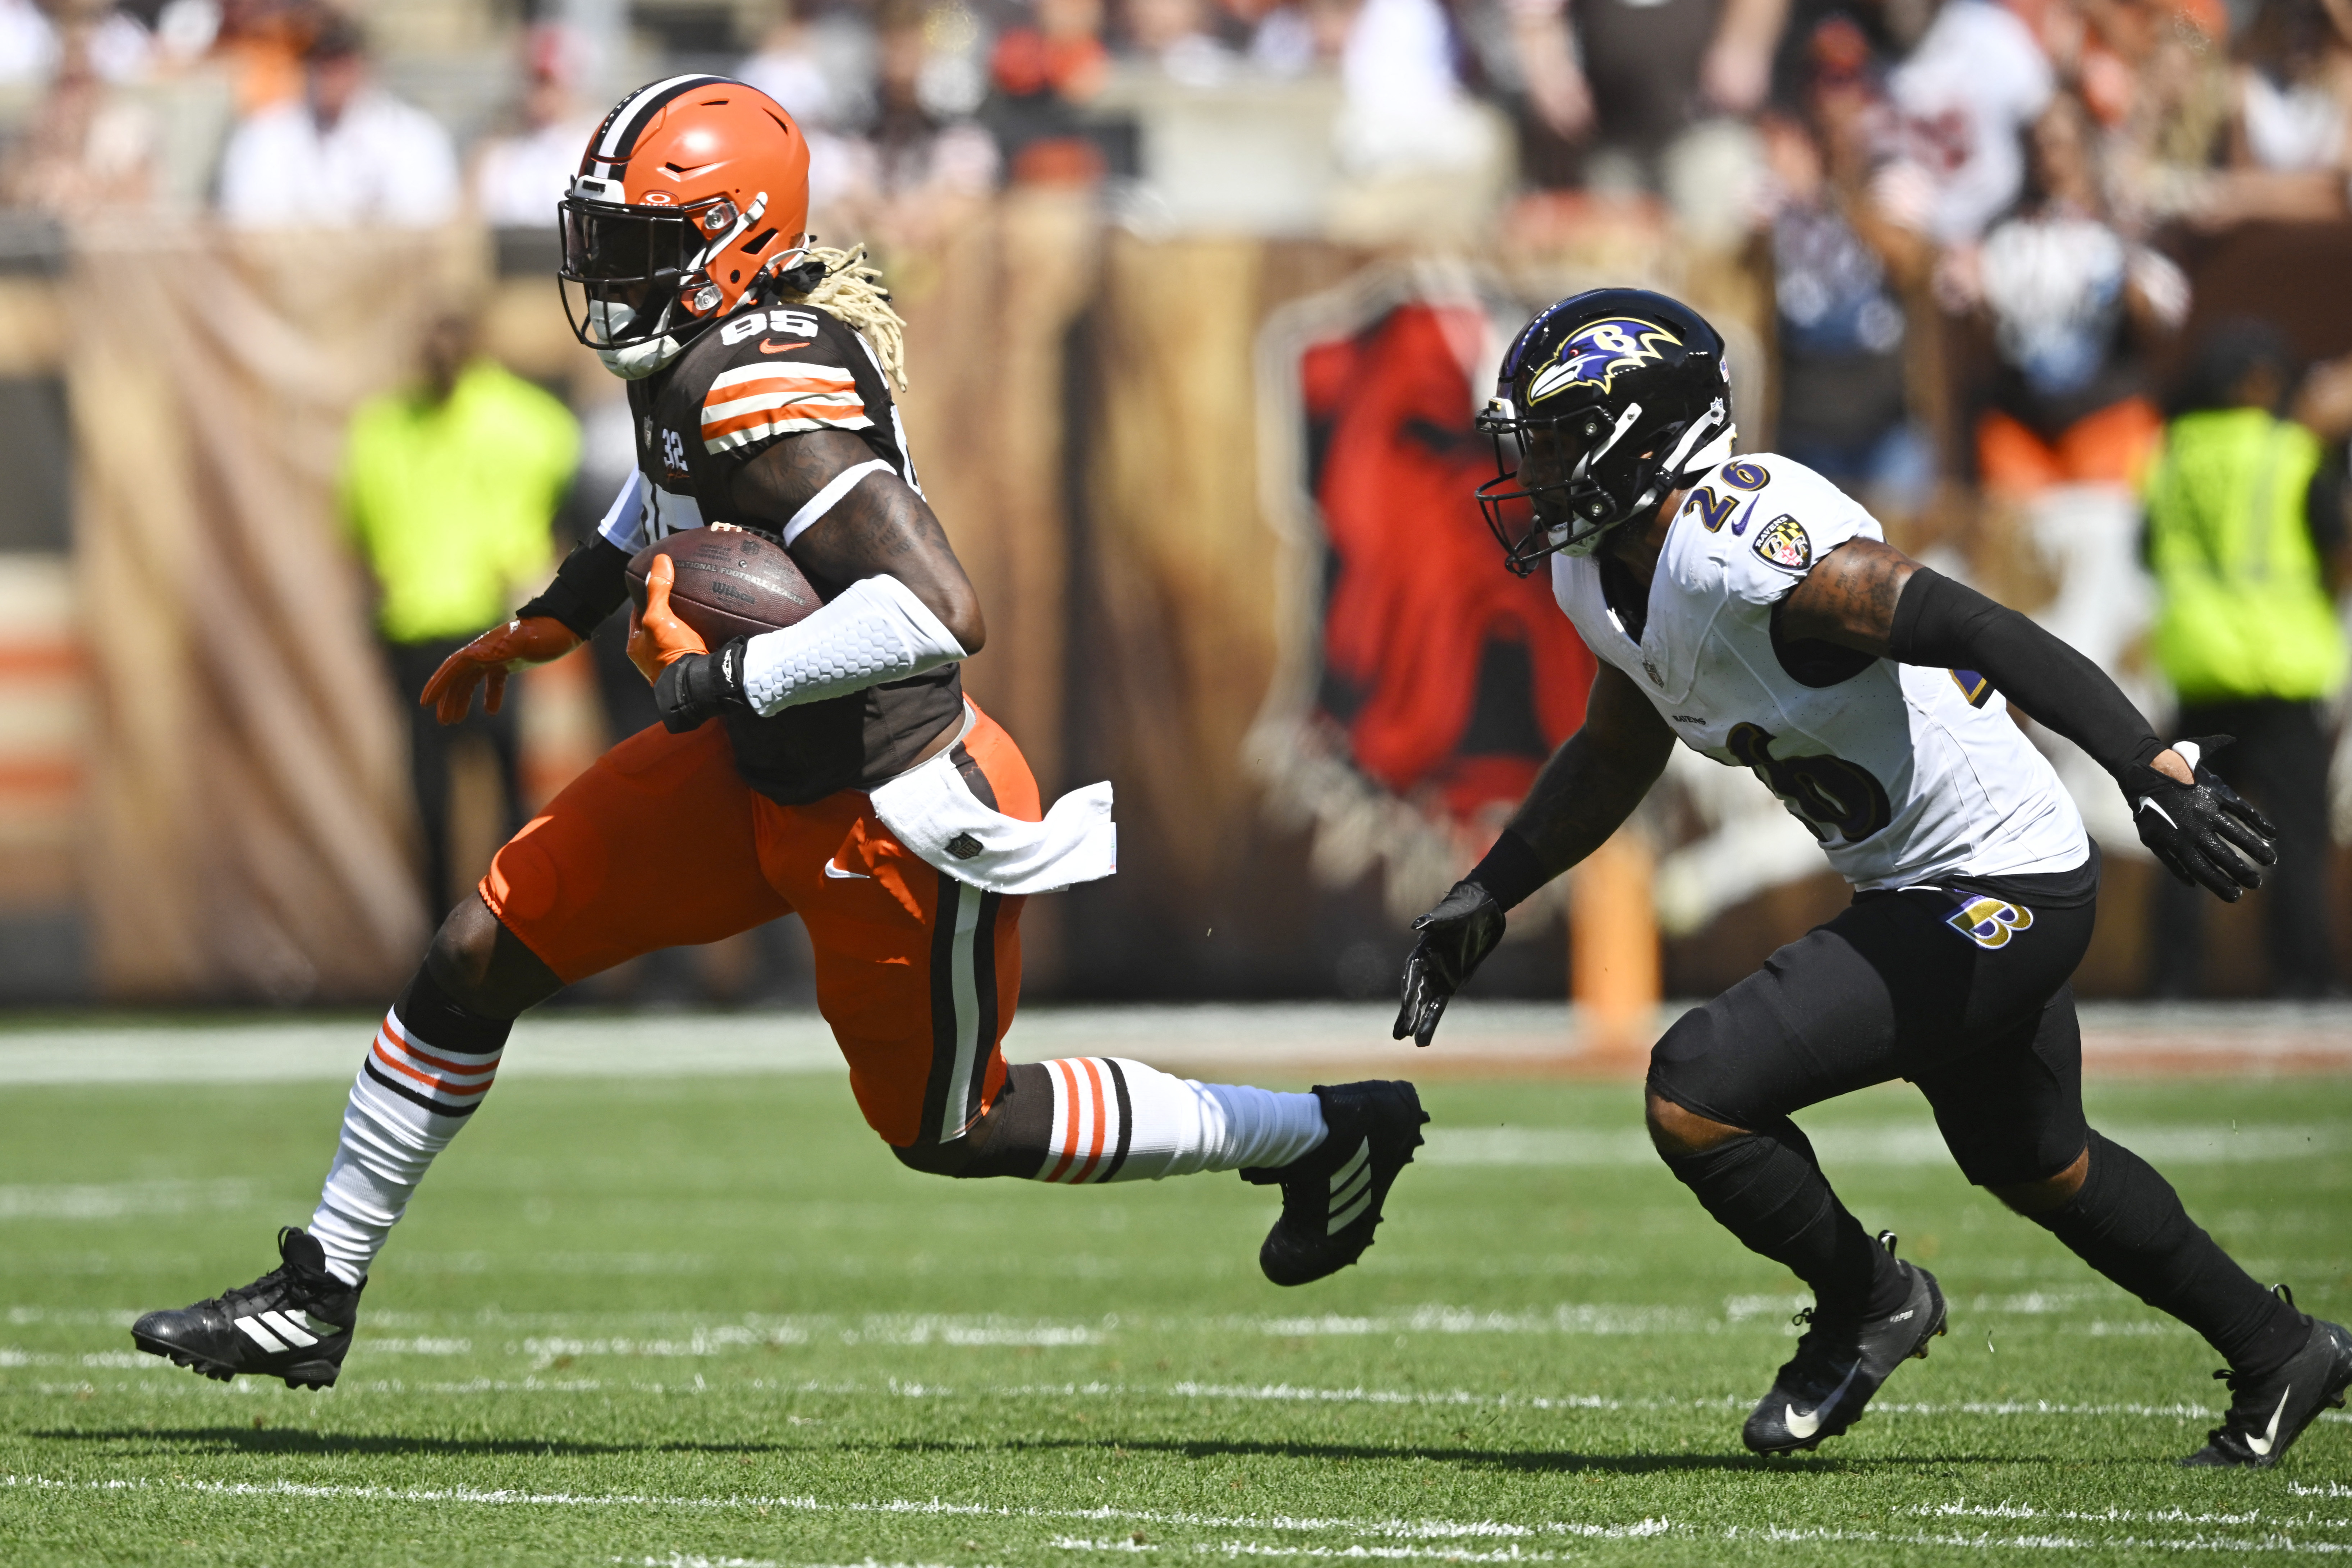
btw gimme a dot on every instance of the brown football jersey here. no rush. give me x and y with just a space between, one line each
760 377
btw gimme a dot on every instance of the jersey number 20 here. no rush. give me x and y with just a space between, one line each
1831 795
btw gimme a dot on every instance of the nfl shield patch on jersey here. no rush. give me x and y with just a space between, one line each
1782 543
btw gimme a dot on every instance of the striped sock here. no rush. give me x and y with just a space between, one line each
1119 1121
431 1063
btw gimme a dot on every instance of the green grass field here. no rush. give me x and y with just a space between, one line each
713 1321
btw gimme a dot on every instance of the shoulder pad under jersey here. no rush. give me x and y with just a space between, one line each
1752 527
776 372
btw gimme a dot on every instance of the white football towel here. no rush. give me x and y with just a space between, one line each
934 812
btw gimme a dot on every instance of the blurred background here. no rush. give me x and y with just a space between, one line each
1203 295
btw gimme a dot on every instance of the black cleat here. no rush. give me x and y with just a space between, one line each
293 1322
1331 1196
2268 1413
1840 1364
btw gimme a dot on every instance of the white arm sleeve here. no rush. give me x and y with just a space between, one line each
876 630
624 524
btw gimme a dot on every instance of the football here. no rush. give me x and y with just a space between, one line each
730 582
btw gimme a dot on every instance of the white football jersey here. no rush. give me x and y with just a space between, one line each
1905 775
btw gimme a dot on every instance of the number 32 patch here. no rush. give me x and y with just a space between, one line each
1989 922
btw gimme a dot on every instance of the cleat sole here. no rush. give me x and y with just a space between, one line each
314 1375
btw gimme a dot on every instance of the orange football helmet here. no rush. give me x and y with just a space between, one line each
691 190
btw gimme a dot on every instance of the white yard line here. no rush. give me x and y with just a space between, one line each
1390 1529
2276 1539
1783 1535
1279 1393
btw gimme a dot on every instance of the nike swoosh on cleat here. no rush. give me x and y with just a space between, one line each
832 870
1807 1424
2262 1445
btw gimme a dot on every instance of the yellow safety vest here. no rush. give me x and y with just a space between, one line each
450 503
2244 611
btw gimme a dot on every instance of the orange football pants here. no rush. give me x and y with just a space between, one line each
662 844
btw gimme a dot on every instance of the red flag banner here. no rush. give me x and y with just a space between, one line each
1421 684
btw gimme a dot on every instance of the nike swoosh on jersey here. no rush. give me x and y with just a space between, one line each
832 870
1805 1426
768 347
2262 1445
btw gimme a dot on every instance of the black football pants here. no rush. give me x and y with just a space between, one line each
1977 1012
1965 996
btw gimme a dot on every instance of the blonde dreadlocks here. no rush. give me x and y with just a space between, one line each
851 291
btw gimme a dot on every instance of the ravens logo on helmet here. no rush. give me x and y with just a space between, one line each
1618 393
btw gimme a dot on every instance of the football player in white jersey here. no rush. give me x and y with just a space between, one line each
1748 607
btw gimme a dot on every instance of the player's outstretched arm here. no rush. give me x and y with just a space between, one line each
1871 597
1583 795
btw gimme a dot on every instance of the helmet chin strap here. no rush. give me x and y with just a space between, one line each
639 360
1717 432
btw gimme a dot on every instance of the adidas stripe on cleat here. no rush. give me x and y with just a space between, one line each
293 1322
1840 1363
1331 1196
2268 1413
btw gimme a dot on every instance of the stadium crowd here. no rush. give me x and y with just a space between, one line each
2025 164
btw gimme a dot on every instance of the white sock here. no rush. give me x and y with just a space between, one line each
1119 1121
410 1099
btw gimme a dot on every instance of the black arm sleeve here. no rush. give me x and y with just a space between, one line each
588 587
1938 622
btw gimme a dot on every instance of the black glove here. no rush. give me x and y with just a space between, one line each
1455 938
693 690
2198 829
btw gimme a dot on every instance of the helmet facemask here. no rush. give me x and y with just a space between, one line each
636 280
1613 472
634 274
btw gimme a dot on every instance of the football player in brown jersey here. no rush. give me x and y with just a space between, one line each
835 768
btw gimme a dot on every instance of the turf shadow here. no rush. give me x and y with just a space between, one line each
1532 1460
297 1441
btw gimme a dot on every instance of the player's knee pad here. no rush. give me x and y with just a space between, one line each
1688 1068
2015 1151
